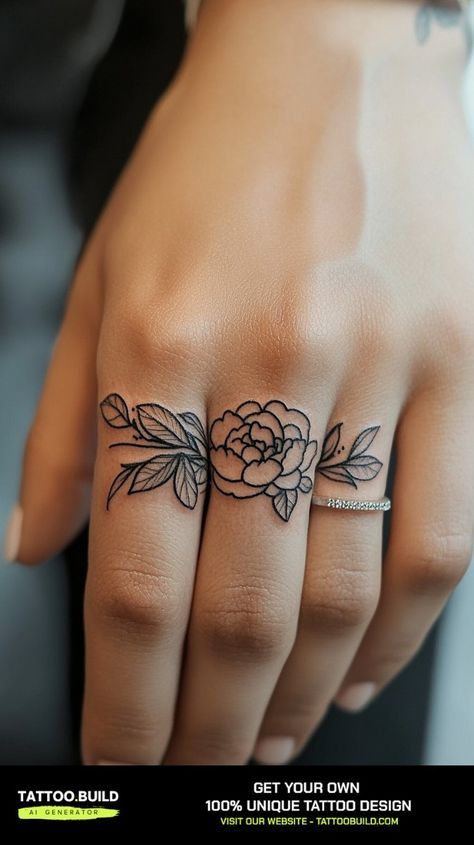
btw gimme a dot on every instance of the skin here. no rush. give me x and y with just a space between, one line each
293 224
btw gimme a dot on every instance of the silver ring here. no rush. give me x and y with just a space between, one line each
383 504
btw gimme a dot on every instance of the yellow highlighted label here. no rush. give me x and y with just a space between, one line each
66 812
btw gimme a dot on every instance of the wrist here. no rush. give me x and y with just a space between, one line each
279 65
298 52
363 26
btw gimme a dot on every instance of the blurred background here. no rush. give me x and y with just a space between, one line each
77 80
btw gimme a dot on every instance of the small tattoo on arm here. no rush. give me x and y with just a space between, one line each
178 447
430 13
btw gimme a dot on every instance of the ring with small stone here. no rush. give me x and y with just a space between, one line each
382 504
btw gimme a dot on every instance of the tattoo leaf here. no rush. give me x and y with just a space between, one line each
114 411
423 24
194 423
284 502
364 467
305 484
119 481
162 425
338 473
185 484
331 442
362 442
154 473
201 474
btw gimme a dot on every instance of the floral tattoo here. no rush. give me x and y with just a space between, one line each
358 466
252 450
179 446
263 449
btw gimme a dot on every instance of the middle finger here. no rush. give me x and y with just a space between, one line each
250 576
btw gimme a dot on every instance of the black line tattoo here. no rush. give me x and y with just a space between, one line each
179 443
267 449
444 16
357 466
263 449
253 450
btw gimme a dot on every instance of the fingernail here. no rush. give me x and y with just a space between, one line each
11 542
355 697
274 750
112 763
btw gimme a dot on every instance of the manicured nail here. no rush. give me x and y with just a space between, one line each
274 750
11 542
112 763
356 697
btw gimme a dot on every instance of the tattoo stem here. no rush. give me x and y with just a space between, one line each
155 445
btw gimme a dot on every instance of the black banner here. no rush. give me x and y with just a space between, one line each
326 802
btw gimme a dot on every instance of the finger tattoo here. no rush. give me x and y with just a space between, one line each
265 449
178 445
255 449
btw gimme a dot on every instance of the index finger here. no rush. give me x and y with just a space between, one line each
143 551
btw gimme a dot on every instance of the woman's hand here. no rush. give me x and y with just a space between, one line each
283 277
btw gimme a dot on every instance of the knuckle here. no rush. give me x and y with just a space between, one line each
153 336
391 660
367 325
299 709
439 564
455 330
136 598
241 627
137 728
340 606
380 341
302 342
137 735
285 341
216 745
335 613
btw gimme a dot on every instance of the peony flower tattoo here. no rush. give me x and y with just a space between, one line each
263 449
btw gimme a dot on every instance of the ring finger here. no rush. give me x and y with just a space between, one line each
431 536
342 583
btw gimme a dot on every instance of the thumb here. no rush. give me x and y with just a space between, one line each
59 454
